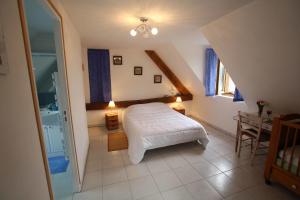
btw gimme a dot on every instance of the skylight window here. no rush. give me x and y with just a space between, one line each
225 85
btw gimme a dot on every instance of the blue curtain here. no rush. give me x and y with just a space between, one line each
237 96
211 62
99 75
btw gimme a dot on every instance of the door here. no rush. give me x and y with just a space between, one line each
50 78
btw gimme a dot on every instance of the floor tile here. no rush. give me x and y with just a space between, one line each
205 169
180 193
260 192
157 166
114 175
208 154
192 156
118 191
166 180
152 197
142 187
136 171
111 175
175 161
93 165
187 174
223 164
125 157
201 190
224 185
91 180
243 178
93 194
111 162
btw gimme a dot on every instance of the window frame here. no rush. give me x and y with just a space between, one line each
226 93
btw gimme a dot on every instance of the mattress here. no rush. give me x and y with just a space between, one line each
287 158
154 125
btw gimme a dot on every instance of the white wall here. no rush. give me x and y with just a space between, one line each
186 59
21 170
127 86
76 88
259 44
124 84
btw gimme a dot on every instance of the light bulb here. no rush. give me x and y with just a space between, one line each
133 32
178 100
111 104
154 31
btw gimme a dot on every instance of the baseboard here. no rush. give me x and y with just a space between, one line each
84 170
213 126
100 125
95 125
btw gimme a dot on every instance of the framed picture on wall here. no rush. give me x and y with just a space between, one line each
117 60
157 78
138 70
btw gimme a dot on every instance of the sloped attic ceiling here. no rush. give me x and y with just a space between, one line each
259 44
106 23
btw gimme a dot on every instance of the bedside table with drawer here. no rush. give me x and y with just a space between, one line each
111 121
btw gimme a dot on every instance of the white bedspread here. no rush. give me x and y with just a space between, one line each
154 125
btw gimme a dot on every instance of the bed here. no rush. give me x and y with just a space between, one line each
154 125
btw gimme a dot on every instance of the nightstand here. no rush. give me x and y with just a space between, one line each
111 121
180 110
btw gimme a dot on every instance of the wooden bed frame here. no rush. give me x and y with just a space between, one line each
285 134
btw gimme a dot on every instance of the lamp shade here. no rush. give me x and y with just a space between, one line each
111 104
178 100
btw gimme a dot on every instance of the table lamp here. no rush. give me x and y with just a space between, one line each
111 106
178 101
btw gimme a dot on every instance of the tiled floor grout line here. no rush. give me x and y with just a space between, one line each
130 188
216 137
154 181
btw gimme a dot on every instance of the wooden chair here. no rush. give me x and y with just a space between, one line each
250 125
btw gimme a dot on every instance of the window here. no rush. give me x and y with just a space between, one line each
224 84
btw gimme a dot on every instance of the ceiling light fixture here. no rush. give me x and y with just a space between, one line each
144 29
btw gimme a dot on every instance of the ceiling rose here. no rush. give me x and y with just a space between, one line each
144 29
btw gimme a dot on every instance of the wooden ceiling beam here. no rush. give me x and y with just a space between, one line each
184 92
168 72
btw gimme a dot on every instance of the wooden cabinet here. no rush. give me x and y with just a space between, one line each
111 121
180 110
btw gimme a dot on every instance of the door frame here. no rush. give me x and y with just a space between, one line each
35 100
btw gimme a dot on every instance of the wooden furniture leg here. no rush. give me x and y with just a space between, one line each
237 137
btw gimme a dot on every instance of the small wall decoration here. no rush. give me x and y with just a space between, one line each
138 70
117 60
157 78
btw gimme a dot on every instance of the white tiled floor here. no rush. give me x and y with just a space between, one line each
181 172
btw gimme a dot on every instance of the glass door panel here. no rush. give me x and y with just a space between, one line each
44 30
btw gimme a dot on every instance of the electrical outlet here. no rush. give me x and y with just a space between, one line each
3 55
